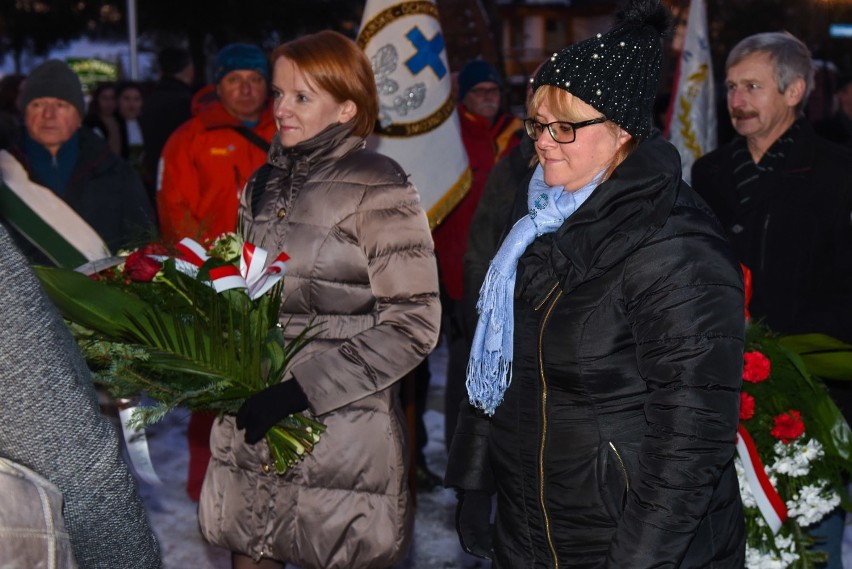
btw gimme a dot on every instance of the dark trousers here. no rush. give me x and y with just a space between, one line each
422 378
458 352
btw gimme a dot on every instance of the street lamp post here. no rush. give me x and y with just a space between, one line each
131 35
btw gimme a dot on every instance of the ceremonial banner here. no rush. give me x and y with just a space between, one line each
418 125
691 123
44 219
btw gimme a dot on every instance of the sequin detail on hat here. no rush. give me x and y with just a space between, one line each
620 83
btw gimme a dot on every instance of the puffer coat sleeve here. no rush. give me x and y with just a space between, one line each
687 319
393 234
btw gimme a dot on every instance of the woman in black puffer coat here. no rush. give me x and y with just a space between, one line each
613 443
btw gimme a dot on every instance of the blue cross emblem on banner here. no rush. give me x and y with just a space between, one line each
428 53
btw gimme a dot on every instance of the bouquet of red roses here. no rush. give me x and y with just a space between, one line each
195 327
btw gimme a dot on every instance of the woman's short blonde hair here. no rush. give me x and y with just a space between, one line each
334 63
564 107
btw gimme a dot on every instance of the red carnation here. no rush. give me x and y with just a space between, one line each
787 426
746 406
756 367
140 267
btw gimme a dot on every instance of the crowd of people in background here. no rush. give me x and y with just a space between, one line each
262 148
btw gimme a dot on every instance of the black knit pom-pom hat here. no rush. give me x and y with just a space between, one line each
616 72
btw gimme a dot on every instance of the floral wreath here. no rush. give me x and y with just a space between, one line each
794 447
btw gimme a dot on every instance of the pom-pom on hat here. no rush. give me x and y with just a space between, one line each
617 72
240 56
474 72
54 78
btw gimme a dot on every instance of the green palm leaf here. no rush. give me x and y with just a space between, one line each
184 344
824 356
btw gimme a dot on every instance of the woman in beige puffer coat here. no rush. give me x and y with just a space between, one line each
361 264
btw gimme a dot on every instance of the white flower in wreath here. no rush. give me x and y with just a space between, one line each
784 556
812 503
758 560
811 451
228 246
795 459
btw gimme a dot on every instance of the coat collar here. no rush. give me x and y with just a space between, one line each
619 216
329 145
787 180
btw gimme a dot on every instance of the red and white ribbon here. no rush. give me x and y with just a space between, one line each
192 251
192 256
261 279
768 501
251 274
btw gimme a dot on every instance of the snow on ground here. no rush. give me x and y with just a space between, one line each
173 515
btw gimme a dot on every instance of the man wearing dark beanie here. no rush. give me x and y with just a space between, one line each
208 159
55 79
59 153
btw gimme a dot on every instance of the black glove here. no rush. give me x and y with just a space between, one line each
261 411
473 523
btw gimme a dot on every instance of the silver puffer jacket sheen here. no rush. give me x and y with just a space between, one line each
361 264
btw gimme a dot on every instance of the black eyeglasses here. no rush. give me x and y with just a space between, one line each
563 132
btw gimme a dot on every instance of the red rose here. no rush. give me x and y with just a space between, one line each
140 267
756 367
787 426
746 406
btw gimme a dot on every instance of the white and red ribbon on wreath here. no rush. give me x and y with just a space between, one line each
769 503
252 275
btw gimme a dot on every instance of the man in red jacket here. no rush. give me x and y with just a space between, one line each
203 170
488 134
207 161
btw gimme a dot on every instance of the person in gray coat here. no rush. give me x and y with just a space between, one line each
51 424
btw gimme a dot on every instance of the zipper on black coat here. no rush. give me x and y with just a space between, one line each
543 443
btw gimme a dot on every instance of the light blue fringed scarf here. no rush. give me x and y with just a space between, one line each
489 370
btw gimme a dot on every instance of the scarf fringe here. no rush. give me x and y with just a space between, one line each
489 369
487 381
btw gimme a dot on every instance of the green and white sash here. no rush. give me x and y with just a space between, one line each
45 220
